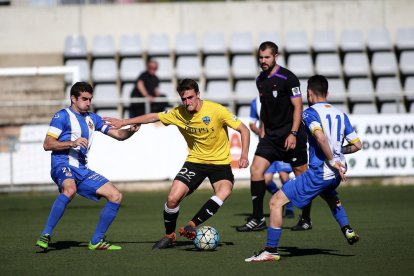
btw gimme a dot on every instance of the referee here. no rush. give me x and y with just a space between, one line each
283 137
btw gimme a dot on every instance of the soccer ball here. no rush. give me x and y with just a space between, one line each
207 238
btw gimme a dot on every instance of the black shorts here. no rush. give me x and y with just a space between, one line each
193 174
274 150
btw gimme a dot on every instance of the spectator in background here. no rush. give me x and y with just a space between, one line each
147 86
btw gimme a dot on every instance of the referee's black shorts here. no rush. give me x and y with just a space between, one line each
193 174
273 149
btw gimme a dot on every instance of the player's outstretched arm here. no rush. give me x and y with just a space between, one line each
143 119
245 140
124 133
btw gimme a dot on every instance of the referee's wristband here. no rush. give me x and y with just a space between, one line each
294 133
332 162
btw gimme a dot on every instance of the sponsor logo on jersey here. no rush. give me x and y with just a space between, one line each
56 116
296 91
274 93
206 120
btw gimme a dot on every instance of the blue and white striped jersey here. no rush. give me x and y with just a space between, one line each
337 128
67 125
255 106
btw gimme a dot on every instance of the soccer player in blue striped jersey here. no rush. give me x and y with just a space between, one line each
327 128
69 138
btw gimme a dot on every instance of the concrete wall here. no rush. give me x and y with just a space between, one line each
43 30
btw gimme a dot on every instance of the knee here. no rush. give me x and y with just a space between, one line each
117 197
172 201
275 202
70 192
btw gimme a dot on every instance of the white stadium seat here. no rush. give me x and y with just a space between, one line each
244 67
384 64
241 43
131 68
188 67
388 89
296 42
213 43
130 46
104 70
324 41
379 39
103 46
356 65
75 47
405 39
105 96
186 44
361 90
83 66
216 67
352 41
328 65
301 65
158 44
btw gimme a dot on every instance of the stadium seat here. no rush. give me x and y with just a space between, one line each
337 91
301 65
364 108
165 68
126 93
158 45
361 90
241 43
409 88
379 39
186 44
405 39
342 107
411 110
168 90
388 89
356 65
131 68
103 46
213 43
270 36
243 111
328 65
296 42
104 70
407 63
188 67
245 91
130 46
219 91
324 42
244 67
83 69
384 64
108 113
281 60
392 108
304 89
216 67
75 47
105 96
352 41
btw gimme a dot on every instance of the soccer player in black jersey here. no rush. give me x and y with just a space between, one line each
283 137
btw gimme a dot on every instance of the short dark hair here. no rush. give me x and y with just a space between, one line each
319 85
187 84
80 87
269 45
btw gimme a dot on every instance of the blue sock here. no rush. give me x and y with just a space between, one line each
108 215
273 236
340 216
271 187
56 213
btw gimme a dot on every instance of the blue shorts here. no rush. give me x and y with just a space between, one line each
87 181
279 166
305 187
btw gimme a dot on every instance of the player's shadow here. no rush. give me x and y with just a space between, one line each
290 251
62 245
221 244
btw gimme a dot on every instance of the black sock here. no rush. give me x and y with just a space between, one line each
208 210
170 218
258 190
306 212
